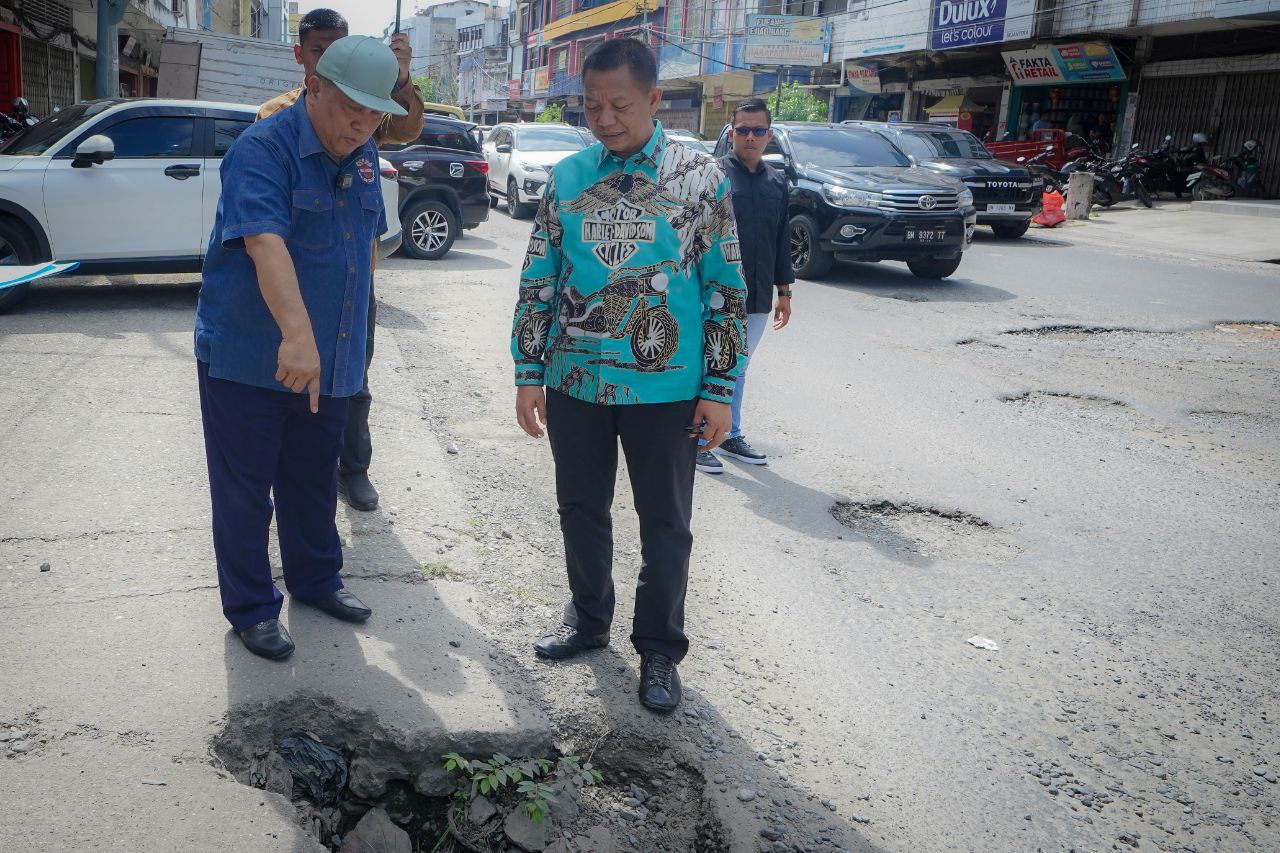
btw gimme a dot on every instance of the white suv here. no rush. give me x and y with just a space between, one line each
520 157
125 186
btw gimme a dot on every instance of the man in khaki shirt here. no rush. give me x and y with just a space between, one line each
317 30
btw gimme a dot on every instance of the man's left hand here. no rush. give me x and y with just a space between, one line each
404 55
781 312
718 420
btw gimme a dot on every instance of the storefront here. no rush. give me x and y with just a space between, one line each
1078 87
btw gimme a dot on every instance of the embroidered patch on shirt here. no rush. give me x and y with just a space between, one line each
366 170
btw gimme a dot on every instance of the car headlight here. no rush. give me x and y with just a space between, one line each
846 197
965 199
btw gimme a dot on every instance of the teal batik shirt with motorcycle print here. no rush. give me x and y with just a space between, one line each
632 289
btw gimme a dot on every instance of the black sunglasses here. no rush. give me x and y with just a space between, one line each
757 132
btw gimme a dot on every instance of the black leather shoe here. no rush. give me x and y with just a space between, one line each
267 639
342 605
357 491
660 688
568 641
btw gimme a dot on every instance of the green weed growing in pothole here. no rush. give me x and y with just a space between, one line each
534 783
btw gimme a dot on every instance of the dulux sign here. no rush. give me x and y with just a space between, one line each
958 23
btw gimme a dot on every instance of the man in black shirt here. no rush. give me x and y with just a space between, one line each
760 208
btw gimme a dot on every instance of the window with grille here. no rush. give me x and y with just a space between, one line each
257 20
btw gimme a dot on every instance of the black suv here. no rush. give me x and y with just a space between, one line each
855 196
442 185
1006 194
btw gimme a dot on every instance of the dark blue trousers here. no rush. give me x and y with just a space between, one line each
261 443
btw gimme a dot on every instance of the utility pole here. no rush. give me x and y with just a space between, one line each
777 98
107 72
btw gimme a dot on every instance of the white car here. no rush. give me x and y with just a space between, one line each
520 158
126 186
691 139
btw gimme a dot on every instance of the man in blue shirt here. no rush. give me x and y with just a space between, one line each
280 336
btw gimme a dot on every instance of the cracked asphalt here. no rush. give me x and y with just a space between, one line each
1057 450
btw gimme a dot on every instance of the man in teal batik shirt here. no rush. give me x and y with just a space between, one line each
630 314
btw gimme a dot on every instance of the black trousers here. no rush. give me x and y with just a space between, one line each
660 457
357 444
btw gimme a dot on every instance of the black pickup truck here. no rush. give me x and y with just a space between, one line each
1006 195
855 196
442 185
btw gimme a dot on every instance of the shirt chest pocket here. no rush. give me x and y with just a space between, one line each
371 211
311 225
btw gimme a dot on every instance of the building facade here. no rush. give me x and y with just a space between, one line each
483 63
48 48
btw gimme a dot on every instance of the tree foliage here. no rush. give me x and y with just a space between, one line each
553 112
798 105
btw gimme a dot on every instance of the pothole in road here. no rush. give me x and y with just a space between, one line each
352 780
1073 332
1258 330
1083 400
926 531
977 342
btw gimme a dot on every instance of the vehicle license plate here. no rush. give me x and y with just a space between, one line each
926 235
1000 208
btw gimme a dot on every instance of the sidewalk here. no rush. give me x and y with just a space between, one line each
120 671
1175 227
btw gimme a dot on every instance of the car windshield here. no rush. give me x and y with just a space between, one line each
550 139
941 143
837 148
48 133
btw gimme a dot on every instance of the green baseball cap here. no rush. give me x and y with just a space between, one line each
365 70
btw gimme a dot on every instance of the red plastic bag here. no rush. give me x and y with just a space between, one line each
1051 214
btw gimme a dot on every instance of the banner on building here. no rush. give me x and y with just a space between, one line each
863 78
513 89
964 23
785 41
1079 62
541 80
676 61
874 27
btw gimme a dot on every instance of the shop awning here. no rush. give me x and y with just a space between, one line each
955 104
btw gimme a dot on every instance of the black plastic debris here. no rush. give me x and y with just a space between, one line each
319 772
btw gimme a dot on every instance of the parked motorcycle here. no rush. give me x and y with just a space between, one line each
20 120
1114 181
1225 177
1039 167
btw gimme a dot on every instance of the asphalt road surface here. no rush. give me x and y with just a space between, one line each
1059 450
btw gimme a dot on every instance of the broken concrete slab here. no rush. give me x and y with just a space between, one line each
143 607
375 833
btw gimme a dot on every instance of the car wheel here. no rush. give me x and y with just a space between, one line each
493 200
430 228
17 248
935 268
514 206
1011 231
808 260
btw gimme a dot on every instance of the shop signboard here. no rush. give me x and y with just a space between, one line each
1245 8
785 41
874 27
513 89
963 23
863 78
542 79
1078 62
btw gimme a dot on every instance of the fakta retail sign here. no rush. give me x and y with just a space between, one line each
1079 62
961 23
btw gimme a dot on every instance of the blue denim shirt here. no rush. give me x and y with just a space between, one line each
278 179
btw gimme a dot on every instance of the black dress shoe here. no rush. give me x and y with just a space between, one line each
357 491
568 641
342 605
660 688
267 639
